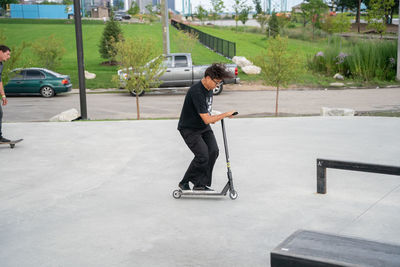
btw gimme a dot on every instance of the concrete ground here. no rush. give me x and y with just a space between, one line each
99 193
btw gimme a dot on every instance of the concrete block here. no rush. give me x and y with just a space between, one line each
68 115
337 111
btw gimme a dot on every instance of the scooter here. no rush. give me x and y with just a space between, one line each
229 185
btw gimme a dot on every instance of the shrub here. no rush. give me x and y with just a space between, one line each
364 60
49 51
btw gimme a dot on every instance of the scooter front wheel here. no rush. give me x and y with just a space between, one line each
233 195
177 194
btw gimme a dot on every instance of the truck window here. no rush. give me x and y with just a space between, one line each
181 61
168 62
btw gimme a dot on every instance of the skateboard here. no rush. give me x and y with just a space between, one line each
11 143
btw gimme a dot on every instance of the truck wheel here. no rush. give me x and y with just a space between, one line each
133 93
218 90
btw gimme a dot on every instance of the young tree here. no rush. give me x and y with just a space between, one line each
143 64
202 13
49 51
273 25
134 10
244 14
262 19
217 8
314 9
277 67
112 34
15 61
257 6
377 13
237 7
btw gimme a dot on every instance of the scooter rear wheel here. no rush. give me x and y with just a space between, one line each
233 195
177 194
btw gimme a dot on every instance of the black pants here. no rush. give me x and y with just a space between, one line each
205 149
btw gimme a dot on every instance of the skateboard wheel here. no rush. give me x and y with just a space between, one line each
233 195
12 145
177 194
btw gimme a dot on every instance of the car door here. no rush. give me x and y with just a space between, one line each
33 81
168 77
14 84
182 71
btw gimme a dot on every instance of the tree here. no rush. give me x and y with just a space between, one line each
202 13
379 10
273 25
134 10
262 19
314 10
277 67
244 14
49 51
237 7
143 64
112 34
217 8
257 6
4 3
341 23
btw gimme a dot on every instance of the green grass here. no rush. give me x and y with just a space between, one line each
16 33
250 45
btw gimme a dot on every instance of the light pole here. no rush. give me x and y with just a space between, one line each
79 52
165 26
398 49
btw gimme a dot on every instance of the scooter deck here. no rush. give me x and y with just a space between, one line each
11 143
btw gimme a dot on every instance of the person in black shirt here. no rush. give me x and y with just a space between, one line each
194 126
4 56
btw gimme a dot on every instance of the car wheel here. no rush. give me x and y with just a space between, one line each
218 90
133 93
47 91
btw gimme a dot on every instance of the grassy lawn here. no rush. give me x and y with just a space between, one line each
247 44
16 33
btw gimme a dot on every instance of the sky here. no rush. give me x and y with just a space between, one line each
229 3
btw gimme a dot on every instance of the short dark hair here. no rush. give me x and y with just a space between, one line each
218 71
4 48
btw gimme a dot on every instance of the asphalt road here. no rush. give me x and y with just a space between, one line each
248 103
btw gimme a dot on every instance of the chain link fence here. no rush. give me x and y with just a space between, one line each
221 46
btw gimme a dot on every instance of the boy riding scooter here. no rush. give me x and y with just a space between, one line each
194 127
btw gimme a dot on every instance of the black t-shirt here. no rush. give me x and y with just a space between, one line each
198 100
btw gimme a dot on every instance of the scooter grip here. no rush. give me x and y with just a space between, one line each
235 113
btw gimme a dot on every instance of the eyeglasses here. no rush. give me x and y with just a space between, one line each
217 83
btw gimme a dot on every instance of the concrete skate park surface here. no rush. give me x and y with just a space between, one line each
99 193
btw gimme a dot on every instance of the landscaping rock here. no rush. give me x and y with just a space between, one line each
338 76
89 76
336 84
337 111
241 61
68 115
251 69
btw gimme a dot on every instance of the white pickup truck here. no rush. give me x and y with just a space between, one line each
180 72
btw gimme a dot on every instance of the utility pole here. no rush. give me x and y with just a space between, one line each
165 26
79 52
358 19
398 50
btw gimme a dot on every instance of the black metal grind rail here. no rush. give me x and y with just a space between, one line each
323 164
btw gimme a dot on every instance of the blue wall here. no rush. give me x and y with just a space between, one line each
39 11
